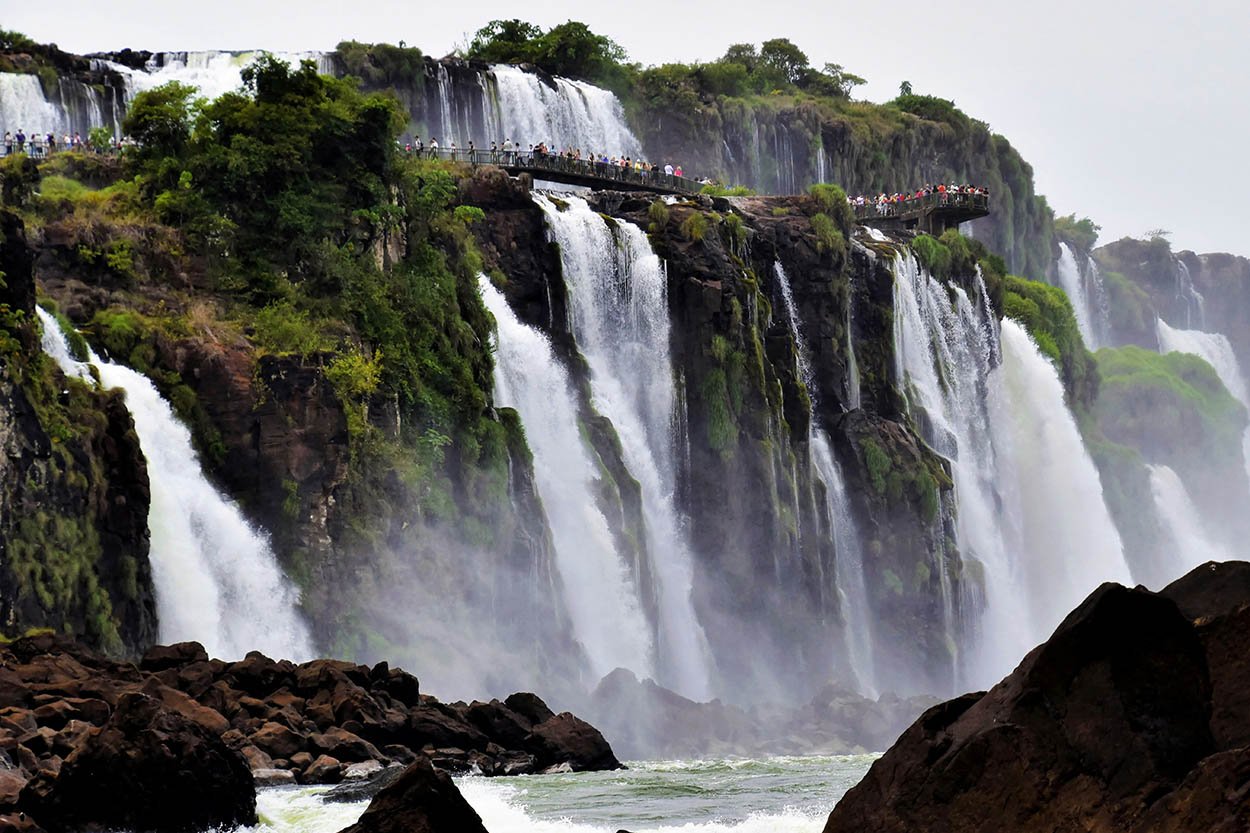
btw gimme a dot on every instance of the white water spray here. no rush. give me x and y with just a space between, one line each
211 73
573 115
618 308
1030 504
1190 545
216 580
600 596
1070 543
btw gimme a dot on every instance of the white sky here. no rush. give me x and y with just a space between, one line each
1136 114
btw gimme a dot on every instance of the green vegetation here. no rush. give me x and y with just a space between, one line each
658 214
381 64
1046 313
1081 235
569 49
54 573
932 108
281 215
694 227
12 41
714 190
1173 403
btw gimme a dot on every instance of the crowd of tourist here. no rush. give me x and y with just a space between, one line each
896 202
508 152
40 145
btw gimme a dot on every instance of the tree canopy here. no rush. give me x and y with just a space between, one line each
570 49
272 172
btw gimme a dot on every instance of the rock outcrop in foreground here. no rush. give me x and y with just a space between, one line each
422 800
1134 716
148 768
177 741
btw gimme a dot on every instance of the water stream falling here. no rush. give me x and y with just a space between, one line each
618 310
1189 545
601 598
212 73
217 581
1030 504
849 572
1073 283
573 115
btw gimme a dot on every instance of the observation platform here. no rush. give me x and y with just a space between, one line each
932 214
598 176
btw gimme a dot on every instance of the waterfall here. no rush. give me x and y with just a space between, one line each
217 581
1218 352
1070 543
599 593
802 356
1191 298
618 310
74 107
1189 545
1072 282
212 73
1030 504
573 115
849 568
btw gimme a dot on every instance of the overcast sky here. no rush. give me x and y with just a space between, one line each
1136 114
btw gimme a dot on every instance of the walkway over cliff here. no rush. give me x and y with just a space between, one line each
933 213
599 176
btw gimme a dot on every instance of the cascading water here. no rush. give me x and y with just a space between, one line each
849 572
1073 284
216 580
73 107
619 318
211 73
600 596
1071 545
1189 297
573 115
1218 352
1030 504
1189 545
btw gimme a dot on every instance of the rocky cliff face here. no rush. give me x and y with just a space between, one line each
73 487
370 517
782 146
765 556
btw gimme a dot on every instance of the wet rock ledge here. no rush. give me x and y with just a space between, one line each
179 741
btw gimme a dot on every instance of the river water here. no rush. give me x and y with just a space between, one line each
773 795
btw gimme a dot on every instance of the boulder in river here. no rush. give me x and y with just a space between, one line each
421 800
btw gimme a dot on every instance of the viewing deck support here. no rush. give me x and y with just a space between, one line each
599 176
932 214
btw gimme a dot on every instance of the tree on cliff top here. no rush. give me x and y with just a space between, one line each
1080 234
779 65
570 49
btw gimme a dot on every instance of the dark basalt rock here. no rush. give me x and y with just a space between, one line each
421 800
149 768
354 791
1131 717
79 731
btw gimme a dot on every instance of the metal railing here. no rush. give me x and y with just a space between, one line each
555 163
42 150
919 205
